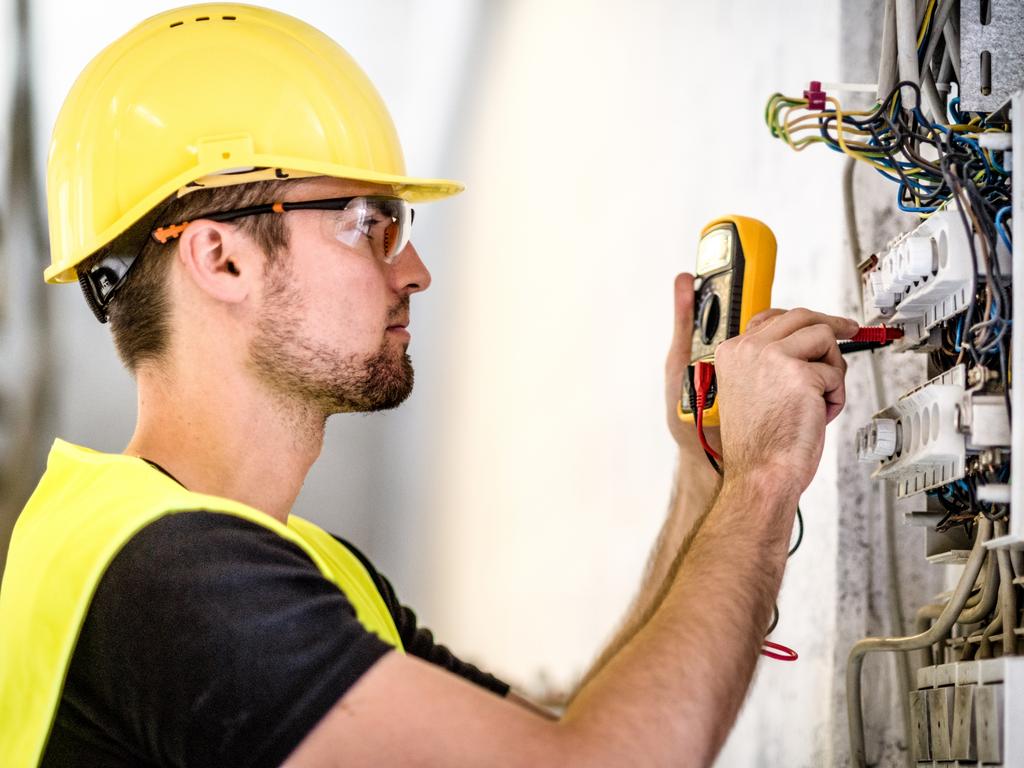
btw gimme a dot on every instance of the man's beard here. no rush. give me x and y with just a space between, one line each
314 374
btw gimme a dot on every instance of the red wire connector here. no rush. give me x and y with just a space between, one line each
815 96
877 334
703 378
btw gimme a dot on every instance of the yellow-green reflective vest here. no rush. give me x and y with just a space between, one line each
84 510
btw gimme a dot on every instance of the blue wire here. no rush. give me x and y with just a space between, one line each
997 167
912 209
959 333
954 111
1000 215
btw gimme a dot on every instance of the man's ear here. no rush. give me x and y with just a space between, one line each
219 260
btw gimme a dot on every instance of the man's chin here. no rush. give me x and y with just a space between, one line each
387 385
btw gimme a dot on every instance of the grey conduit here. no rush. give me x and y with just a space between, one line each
934 634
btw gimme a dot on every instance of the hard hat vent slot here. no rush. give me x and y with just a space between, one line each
203 18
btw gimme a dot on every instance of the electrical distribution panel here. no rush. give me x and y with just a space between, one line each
948 130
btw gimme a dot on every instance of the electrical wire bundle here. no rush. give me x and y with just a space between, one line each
895 137
899 142
960 502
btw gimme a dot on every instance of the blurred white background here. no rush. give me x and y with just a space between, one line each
514 499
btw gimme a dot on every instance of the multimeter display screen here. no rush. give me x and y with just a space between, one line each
715 250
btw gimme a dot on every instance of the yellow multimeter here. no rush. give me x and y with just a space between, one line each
732 283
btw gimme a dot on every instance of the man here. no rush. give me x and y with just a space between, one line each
227 188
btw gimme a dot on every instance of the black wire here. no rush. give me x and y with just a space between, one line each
775 620
800 534
714 463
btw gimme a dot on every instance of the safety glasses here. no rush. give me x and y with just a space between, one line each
376 226
373 225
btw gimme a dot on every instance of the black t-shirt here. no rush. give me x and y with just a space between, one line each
212 641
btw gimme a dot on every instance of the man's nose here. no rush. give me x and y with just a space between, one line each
409 272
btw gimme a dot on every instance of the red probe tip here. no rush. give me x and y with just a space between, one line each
878 334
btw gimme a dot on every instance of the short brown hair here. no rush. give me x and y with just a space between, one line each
138 311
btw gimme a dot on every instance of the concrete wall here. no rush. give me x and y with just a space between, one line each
602 141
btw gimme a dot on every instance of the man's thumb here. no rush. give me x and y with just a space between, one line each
682 335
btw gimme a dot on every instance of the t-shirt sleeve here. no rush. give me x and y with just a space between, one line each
419 641
216 642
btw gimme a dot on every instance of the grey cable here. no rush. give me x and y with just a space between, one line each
1007 597
978 606
936 104
931 93
906 43
985 644
990 580
938 22
946 70
887 61
952 36
934 634
1017 561
895 596
928 613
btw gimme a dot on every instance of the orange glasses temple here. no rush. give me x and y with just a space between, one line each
163 234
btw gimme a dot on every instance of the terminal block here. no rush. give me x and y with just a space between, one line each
923 439
924 277
969 713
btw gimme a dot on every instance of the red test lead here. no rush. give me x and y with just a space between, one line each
870 337
877 334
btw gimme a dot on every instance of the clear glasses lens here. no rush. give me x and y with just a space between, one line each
375 226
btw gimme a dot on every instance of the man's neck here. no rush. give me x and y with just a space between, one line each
227 438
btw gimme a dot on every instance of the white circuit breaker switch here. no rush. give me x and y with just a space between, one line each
986 421
988 720
929 446
993 493
877 440
882 300
920 725
940 711
927 274
894 274
969 711
920 259
962 745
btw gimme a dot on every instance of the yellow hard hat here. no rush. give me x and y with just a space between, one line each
207 95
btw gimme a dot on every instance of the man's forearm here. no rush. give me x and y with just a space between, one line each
674 689
695 486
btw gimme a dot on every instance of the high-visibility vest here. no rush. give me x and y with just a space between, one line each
84 510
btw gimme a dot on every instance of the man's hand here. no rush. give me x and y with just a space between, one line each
779 384
675 368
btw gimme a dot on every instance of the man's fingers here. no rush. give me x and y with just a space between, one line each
813 343
795 319
762 318
832 382
683 330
